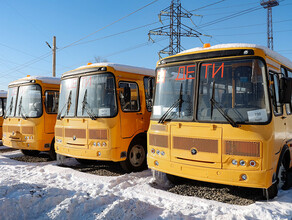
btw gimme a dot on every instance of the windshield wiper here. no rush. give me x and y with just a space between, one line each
88 109
223 113
59 116
177 103
9 108
21 111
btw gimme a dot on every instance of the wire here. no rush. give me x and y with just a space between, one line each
69 45
249 10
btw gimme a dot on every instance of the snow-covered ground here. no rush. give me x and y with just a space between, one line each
47 191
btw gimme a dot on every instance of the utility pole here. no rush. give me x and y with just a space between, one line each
54 55
268 4
175 30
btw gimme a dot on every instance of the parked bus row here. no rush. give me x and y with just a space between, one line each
219 114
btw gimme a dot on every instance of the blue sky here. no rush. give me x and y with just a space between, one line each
27 25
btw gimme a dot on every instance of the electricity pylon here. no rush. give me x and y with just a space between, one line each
175 30
268 4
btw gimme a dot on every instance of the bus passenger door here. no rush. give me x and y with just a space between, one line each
130 115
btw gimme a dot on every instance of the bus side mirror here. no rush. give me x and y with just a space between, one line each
285 90
150 88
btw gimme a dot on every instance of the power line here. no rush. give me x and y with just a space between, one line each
48 54
249 10
109 25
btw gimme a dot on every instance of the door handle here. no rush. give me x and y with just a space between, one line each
139 113
283 117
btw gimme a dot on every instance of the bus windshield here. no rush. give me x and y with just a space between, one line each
97 96
174 93
234 89
11 101
29 102
24 101
67 99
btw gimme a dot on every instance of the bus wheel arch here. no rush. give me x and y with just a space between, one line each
136 154
280 179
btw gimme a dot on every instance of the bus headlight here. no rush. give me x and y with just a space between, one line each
252 163
103 144
234 162
242 163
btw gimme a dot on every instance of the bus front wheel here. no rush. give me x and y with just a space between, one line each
280 183
136 157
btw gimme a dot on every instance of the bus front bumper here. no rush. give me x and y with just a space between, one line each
255 179
26 145
100 153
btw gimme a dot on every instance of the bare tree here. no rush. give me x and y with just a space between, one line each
99 59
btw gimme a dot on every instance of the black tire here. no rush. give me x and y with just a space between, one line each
52 151
281 181
136 157
30 152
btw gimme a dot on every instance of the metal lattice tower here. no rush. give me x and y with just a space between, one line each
268 4
175 30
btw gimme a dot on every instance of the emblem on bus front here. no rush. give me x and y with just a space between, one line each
194 151
74 138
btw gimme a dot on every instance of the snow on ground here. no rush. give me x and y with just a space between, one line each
47 191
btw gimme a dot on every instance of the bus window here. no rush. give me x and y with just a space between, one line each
289 105
1 107
11 100
174 92
129 97
67 101
51 102
149 88
238 88
29 102
274 89
97 97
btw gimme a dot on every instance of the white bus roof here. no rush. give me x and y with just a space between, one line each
3 94
44 79
120 67
285 61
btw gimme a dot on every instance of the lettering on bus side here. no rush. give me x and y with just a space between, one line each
187 72
214 71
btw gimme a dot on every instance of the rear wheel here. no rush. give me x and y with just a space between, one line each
30 152
136 157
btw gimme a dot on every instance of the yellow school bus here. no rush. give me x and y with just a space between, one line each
222 114
3 98
104 114
30 116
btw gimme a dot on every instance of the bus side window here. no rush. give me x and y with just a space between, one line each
288 105
149 89
1 107
129 97
274 90
51 102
